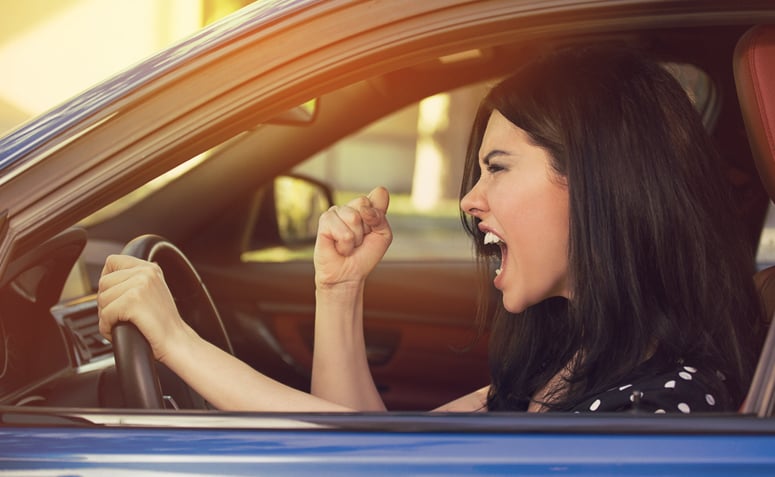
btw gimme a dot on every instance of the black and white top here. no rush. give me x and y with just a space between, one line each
686 389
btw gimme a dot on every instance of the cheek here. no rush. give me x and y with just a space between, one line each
541 217
540 253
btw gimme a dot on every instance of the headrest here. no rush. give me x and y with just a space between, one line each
754 68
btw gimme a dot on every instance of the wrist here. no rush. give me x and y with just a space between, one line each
178 346
342 303
339 289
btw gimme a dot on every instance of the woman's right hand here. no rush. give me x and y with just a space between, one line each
351 240
134 290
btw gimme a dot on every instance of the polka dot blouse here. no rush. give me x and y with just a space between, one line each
683 390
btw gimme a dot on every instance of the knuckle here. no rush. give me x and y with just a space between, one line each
101 303
134 294
328 215
359 202
350 216
347 237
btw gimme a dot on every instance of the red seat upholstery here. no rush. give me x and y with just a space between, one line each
754 68
754 65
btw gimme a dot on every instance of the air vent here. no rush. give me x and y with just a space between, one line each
85 334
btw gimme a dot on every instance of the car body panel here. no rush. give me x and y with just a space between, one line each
373 445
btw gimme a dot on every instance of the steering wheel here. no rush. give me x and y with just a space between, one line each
140 376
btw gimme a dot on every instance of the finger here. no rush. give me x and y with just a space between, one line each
375 214
359 202
351 217
109 280
345 237
121 262
108 320
121 290
119 268
120 308
113 286
358 205
110 304
380 198
115 289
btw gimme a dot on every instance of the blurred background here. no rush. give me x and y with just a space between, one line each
51 50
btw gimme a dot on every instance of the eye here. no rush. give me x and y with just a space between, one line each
492 167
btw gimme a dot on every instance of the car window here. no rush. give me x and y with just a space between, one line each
700 89
418 154
765 254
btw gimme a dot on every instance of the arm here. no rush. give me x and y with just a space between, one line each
474 402
340 369
351 241
134 290
230 384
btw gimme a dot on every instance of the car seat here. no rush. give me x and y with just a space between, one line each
754 70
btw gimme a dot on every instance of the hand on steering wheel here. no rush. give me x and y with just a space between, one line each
138 371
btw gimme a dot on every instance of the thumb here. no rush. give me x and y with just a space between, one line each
374 216
380 198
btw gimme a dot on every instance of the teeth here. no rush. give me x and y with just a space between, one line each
490 237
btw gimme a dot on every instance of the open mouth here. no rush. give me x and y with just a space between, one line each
492 239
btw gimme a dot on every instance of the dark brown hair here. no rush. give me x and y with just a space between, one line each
658 270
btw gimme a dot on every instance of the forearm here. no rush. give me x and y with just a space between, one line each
340 368
230 384
473 402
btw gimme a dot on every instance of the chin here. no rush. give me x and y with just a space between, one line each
518 305
515 306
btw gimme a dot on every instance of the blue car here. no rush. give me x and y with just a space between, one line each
215 158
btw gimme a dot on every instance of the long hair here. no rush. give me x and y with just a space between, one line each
658 270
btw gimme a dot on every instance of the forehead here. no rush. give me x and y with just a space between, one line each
502 135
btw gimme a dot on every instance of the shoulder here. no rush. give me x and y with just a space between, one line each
685 389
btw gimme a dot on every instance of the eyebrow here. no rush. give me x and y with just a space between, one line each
494 153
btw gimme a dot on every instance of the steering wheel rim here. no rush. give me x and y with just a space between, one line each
135 365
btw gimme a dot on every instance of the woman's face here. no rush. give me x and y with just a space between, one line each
523 207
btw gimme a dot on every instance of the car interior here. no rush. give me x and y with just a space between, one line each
424 345
754 69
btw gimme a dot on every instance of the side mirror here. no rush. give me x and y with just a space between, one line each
299 201
285 217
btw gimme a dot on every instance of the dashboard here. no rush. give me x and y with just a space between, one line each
51 352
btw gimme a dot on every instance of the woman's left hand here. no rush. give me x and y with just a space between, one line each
351 240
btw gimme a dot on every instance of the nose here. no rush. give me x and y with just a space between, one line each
474 203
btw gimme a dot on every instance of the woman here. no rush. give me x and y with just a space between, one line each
591 179
658 302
